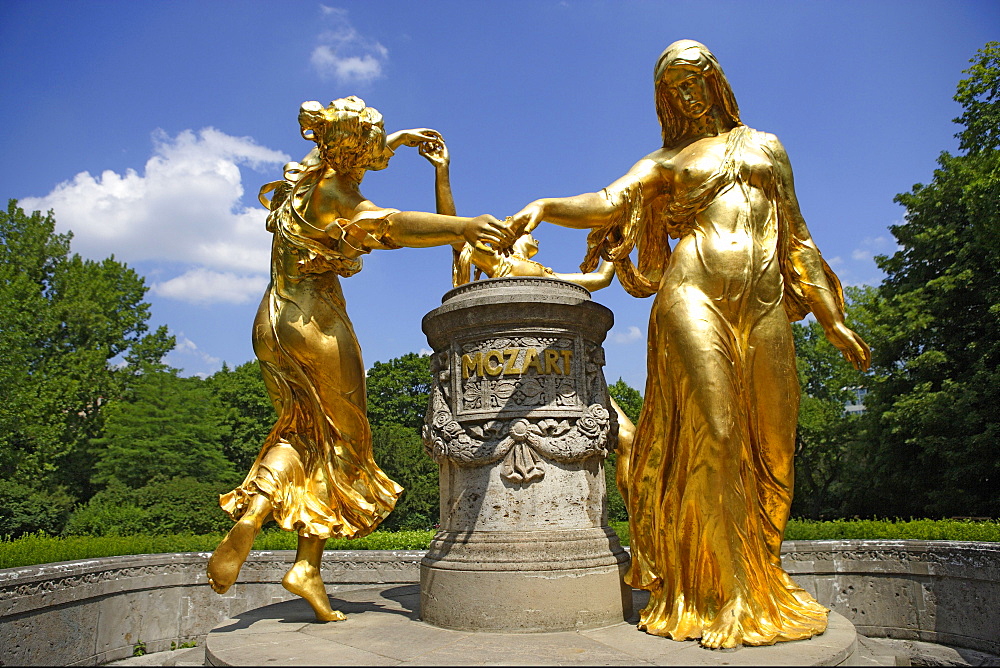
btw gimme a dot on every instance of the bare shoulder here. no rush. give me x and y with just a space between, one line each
649 172
657 165
771 142
366 205
658 157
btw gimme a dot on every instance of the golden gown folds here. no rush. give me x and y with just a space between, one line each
316 465
708 481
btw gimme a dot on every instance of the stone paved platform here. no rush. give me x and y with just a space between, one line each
383 629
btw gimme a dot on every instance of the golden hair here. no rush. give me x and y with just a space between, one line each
696 56
350 136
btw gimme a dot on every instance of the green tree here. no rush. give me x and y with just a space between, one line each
73 335
398 391
628 398
167 426
630 401
399 451
934 323
25 509
249 412
827 437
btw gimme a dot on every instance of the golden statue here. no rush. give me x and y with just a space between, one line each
315 474
518 262
708 479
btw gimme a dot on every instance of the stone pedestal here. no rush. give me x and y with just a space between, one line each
519 422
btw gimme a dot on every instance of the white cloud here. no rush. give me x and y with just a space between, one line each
345 54
630 335
185 207
203 286
872 246
186 350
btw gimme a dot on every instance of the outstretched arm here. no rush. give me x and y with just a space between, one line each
436 153
595 280
419 229
589 210
805 257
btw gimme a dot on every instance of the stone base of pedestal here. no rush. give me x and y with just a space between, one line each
525 581
383 629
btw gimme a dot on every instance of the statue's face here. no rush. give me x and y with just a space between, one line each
689 91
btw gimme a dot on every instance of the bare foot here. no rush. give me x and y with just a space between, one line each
727 629
303 580
225 563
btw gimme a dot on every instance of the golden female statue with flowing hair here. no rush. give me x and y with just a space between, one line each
708 478
315 474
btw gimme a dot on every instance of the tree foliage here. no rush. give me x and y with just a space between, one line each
167 426
26 509
629 399
934 323
73 335
249 412
398 390
169 506
827 438
399 451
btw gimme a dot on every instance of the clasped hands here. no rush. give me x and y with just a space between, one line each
501 234
521 223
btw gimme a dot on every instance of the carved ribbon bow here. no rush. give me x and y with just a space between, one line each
522 462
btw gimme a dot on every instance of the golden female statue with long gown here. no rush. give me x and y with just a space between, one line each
708 478
315 474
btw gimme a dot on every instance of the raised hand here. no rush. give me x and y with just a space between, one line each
413 137
436 151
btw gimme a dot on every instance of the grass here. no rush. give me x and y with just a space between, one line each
42 549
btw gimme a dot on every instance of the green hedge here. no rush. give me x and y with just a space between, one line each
980 531
41 549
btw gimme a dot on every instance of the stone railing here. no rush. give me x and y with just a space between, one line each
934 591
97 610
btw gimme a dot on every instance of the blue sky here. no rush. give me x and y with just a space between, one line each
149 127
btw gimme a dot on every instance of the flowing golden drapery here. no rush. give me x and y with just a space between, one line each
708 479
316 465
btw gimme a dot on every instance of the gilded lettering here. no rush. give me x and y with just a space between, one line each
531 360
567 356
509 366
472 364
493 369
552 361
